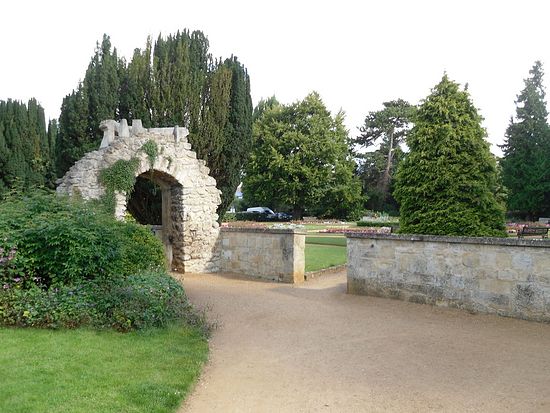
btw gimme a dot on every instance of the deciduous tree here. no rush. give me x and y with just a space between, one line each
301 159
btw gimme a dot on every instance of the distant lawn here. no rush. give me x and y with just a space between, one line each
337 239
324 256
88 371
317 227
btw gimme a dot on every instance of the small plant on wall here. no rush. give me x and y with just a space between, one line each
119 177
151 149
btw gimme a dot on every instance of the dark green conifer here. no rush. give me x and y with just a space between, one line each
447 183
526 161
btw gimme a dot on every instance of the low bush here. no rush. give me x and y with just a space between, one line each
229 217
148 299
60 241
65 264
252 216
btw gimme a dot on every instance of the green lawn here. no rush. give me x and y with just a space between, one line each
89 371
337 240
324 256
317 227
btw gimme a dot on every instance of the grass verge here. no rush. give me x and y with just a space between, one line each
324 256
98 371
339 241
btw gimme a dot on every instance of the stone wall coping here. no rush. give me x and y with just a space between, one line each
514 242
265 230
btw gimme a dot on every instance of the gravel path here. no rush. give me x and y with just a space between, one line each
313 348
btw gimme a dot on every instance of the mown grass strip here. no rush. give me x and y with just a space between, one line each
319 257
98 371
339 241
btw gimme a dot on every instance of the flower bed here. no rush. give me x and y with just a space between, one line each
373 230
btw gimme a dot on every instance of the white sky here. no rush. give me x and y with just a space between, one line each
356 54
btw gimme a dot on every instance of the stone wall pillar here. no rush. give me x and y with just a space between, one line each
272 254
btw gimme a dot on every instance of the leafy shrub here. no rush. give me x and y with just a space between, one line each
61 241
229 217
63 306
65 264
148 299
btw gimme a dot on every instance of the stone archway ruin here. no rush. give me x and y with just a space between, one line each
190 198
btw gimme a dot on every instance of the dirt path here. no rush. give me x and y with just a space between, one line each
313 348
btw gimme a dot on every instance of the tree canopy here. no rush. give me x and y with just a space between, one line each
26 146
301 161
386 128
448 182
174 81
526 161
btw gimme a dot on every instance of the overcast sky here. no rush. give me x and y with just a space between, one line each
356 54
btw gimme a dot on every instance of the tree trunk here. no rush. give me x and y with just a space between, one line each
297 213
386 177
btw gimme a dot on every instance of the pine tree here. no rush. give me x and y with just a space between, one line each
447 183
526 161
387 128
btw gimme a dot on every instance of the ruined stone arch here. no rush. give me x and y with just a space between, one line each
190 198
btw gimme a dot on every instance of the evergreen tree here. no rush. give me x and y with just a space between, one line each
173 82
101 84
74 139
136 87
52 151
237 141
387 128
301 159
25 156
447 183
526 161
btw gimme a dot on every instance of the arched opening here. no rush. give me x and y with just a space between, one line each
145 203
155 201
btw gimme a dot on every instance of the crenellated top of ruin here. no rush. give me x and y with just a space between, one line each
113 129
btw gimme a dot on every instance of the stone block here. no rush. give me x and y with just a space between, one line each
496 286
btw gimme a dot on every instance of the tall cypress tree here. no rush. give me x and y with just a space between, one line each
237 141
447 183
173 82
24 152
526 161
101 84
73 138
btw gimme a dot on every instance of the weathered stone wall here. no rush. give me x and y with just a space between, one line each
509 277
190 196
272 254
